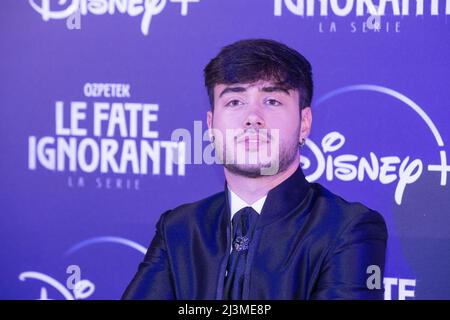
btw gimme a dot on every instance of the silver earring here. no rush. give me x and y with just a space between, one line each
302 143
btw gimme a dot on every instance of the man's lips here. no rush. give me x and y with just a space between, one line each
252 139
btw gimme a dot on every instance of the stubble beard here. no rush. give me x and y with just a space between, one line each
278 164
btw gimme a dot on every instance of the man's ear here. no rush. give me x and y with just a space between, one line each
209 119
306 122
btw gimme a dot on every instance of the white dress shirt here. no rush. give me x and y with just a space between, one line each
236 203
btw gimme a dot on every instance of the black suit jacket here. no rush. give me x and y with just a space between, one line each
308 244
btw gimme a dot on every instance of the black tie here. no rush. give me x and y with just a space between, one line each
244 222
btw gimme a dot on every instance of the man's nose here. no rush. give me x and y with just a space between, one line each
254 118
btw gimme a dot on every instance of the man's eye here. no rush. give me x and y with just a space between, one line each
273 102
233 103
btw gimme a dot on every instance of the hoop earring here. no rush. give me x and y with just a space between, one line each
302 143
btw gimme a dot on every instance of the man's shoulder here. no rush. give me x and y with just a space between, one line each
342 213
191 210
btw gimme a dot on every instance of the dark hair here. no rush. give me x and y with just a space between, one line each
248 61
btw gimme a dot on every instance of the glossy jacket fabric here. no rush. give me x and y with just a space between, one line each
308 244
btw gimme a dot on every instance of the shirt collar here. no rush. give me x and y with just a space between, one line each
237 203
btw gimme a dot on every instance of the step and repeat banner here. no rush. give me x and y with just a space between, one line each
103 128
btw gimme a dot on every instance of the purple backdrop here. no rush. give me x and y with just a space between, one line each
91 92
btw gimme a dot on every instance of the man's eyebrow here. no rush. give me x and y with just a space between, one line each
276 89
264 89
232 89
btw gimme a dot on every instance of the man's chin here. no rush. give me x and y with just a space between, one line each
252 171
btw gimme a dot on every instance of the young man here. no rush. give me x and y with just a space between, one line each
270 234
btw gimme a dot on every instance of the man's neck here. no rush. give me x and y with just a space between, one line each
252 189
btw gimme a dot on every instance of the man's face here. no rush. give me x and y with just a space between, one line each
257 127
